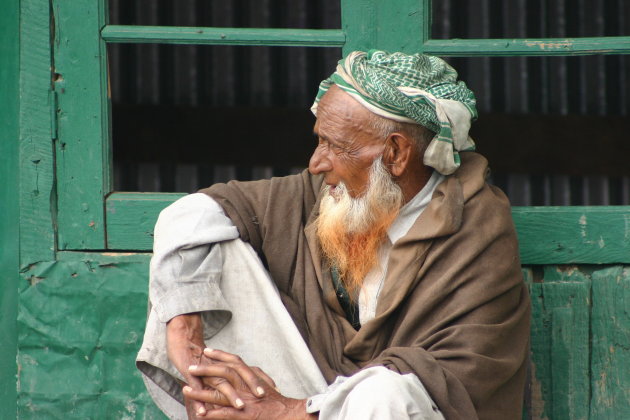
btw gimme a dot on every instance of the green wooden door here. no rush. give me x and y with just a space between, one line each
84 249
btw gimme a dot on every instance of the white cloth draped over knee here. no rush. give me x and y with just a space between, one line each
223 278
375 393
259 330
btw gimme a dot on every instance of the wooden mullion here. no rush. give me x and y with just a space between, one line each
379 24
527 47
83 158
223 36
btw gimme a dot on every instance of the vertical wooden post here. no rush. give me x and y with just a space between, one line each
9 219
36 156
83 149
403 26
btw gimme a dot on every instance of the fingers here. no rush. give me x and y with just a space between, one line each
262 375
196 413
210 396
222 378
195 383
245 372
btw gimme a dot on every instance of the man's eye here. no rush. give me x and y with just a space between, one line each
336 148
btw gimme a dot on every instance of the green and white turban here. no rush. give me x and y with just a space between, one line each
414 88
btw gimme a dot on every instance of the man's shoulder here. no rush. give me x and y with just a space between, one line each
291 185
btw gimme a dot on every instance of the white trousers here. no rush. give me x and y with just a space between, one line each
263 334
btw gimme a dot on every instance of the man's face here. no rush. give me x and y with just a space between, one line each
346 147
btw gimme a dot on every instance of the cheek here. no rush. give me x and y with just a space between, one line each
347 168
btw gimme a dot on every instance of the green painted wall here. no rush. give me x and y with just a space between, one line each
80 324
9 207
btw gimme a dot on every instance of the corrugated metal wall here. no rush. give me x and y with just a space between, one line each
288 77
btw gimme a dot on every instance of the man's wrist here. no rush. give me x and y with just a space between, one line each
184 338
189 324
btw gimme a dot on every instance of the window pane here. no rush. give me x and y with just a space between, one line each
306 14
187 116
553 128
530 18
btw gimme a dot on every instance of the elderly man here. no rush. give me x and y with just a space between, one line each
382 283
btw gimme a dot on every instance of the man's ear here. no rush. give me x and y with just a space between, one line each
398 153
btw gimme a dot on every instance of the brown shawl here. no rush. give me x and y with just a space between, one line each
454 309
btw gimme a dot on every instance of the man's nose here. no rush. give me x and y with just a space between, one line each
319 162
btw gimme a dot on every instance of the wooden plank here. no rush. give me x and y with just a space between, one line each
376 24
532 397
571 235
37 241
9 221
540 361
547 235
560 344
83 147
528 47
223 36
610 361
131 218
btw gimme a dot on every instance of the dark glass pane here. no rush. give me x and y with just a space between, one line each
187 116
320 14
530 18
553 128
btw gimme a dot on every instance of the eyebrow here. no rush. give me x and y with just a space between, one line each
320 136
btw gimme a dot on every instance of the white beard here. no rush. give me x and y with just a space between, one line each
351 230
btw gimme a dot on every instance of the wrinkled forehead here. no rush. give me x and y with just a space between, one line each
339 112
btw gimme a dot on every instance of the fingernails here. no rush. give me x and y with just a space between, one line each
239 403
187 388
201 411
207 351
277 389
260 390
192 367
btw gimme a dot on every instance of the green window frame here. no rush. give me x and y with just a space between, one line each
90 216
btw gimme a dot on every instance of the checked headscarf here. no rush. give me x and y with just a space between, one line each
414 88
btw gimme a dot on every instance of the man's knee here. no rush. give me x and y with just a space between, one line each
388 395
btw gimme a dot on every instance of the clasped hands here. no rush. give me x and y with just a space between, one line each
219 385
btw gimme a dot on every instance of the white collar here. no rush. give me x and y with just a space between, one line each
410 212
